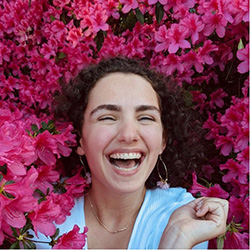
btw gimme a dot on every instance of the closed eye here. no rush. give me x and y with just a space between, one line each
146 118
106 118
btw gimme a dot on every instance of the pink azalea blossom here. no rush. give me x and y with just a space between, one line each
161 36
225 144
240 9
213 191
243 55
72 240
75 185
191 59
177 35
243 157
194 26
128 5
44 215
12 209
236 240
45 148
216 98
66 203
172 63
215 22
235 170
237 209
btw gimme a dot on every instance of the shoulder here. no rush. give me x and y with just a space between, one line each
176 195
155 212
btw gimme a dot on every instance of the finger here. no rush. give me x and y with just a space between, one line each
223 202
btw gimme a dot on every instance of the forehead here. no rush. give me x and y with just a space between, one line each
123 88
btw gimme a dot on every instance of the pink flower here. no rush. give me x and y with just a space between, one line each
94 19
128 5
205 50
194 26
236 240
240 9
225 144
200 98
72 239
66 203
243 157
177 35
172 63
46 176
237 209
213 191
216 98
45 148
5 53
161 36
44 215
243 55
212 126
75 185
21 201
74 36
191 59
214 22
234 170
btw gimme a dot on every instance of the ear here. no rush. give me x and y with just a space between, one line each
163 146
164 142
80 150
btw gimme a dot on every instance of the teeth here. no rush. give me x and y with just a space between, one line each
126 156
127 169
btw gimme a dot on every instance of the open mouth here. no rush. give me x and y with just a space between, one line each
125 161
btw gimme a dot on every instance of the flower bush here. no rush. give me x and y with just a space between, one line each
202 44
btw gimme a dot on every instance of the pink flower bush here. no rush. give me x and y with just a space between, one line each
203 45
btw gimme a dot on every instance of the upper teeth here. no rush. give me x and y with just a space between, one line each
126 156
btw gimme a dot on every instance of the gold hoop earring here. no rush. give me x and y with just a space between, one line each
87 174
162 183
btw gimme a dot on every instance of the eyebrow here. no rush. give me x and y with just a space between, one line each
117 108
110 107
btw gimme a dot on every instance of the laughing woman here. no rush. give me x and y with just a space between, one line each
135 138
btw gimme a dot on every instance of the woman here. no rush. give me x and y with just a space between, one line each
134 132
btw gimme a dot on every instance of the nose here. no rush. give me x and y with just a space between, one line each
128 132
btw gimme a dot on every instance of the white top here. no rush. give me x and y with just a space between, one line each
150 223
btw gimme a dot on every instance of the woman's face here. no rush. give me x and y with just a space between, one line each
122 133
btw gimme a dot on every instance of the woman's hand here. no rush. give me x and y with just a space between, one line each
200 220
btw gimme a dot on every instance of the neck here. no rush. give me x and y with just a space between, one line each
115 210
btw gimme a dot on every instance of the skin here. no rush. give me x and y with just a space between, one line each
123 116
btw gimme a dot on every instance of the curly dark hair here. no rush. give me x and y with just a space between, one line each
184 151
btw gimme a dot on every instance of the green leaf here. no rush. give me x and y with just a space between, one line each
159 12
26 228
61 55
3 169
139 15
31 244
40 192
220 242
55 234
14 231
25 246
15 245
52 18
240 45
44 125
9 182
34 127
1 177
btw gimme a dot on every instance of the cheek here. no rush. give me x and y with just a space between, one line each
97 139
154 139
